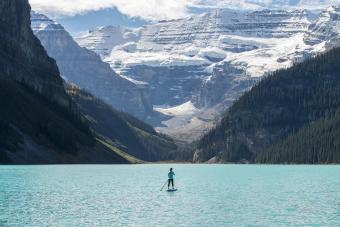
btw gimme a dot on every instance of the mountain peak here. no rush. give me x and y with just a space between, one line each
41 22
86 69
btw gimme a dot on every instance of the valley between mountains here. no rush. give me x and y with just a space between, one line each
180 75
223 86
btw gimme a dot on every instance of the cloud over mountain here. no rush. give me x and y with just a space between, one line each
146 9
164 9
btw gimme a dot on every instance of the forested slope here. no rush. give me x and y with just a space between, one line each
265 120
122 130
317 143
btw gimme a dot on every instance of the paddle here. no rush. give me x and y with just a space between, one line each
164 185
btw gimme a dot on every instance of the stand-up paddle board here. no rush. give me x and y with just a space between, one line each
172 190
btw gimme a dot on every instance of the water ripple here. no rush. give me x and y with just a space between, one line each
208 195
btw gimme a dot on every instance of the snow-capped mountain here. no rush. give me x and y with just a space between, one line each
196 67
326 28
86 69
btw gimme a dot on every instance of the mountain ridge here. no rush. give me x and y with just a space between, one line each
85 68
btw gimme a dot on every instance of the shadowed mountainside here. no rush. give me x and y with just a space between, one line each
40 123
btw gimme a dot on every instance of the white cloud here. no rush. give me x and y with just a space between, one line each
258 4
147 9
161 9
234 4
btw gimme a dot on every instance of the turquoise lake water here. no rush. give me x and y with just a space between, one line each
208 195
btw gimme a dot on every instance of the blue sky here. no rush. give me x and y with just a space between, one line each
84 22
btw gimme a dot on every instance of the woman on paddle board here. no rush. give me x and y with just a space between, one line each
171 175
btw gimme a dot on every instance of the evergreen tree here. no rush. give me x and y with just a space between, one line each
275 110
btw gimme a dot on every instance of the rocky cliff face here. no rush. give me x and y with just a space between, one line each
40 123
23 58
208 29
86 69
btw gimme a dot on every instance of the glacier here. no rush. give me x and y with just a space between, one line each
194 68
